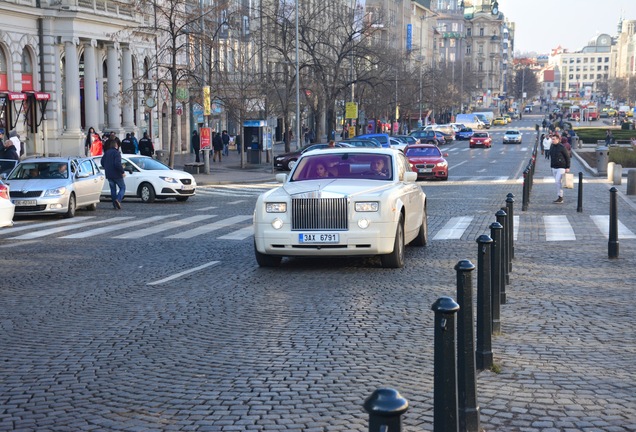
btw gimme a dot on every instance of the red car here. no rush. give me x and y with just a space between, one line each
480 139
427 161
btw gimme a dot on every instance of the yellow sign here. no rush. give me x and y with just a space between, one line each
351 110
207 108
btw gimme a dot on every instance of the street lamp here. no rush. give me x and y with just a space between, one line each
297 85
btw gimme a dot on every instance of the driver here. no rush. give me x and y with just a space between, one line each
378 168
62 171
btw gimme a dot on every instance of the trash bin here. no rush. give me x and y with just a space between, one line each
161 156
575 142
254 156
602 158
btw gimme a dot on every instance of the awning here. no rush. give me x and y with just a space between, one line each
38 95
14 96
43 100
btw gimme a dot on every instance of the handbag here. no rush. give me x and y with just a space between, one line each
568 181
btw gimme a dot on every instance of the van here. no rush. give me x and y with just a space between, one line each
470 120
382 138
485 119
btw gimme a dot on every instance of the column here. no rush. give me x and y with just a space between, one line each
90 86
114 105
71 71
128 94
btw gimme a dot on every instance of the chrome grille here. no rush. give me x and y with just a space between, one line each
319 214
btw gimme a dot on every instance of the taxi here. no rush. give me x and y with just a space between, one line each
499 121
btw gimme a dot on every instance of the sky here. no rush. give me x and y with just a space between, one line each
541 25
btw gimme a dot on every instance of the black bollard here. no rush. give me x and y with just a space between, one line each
526 193
510 200
612 244
385 407
445 380
495 276
466 374
502 218
579 204
484 318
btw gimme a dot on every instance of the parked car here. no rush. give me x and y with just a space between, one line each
381 137
149 179
287 161
480 139
362 142
447 131
6 165
397 144
406 139
499 121
55 185
427 161
425 137
464 134
361 209
512 136
7 208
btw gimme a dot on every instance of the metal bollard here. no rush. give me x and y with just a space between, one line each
579 204
385 407
612 244
525 196
502 218
206 160
510 200
445 380
466 375
495 276
484 318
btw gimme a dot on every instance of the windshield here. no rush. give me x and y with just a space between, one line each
146 163
480 135
6 165
368 166
40 170
422 151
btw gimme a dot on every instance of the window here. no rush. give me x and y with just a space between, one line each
481 31
468 49
469 31
480 67
606 59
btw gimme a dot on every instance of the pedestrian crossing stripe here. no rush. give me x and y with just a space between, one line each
239 227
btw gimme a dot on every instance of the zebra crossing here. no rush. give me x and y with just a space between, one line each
176 226
236 190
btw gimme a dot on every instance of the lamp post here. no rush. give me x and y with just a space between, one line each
297 84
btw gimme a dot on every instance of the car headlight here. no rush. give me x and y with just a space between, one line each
55 192
169 179
442 164
276 207
367 206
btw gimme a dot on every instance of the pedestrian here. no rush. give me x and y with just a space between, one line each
127 145
97 147
332 144
10 151
89 140
225 137
112 140
196 145
1 143
111 161
609 138
311 136
287 137
217 146
560 164
237 141
547 141
306 134
133 138
145 146
15 139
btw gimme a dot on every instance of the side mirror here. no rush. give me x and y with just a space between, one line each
280 178
129 170
410 177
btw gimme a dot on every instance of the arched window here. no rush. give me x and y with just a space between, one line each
27 70
3 71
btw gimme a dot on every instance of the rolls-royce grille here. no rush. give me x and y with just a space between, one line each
319 214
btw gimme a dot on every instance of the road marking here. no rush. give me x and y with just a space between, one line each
206 208
183 273
454 228
240 234
602 223
164 226
515 227
236 202
558 228
209 228
456 165
21 227
116 227
50 231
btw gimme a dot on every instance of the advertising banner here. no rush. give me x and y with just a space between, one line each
205 137
207 107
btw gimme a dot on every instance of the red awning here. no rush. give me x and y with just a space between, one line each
39 95
16 96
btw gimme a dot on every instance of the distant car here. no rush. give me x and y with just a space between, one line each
7 208
397 144
425 137
55 185
507 118
363 142
368 205
286 161
528 109
447 131
149 179
464 134
427 161
480 139
514 114
406 139
512 136
499 121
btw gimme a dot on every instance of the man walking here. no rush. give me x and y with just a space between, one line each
196 145
145 146
111 161
226 143
560 164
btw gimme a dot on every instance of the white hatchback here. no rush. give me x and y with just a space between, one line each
149 179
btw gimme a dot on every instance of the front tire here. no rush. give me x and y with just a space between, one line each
422 235
264 260
147 193
395 259
72 206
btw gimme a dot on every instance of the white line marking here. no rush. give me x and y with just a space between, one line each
206 208
183 273
454 228
558 228
602 223
456 165
209 228
116 227
28 226
236 202
515 227
240 234
50 231
164 226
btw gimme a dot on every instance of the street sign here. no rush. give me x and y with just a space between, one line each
205 137
351 110
207 108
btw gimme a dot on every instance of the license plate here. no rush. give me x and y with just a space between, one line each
318 238
24 203
187 187
425 170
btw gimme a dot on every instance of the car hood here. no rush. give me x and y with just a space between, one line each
37 184
434 160
331 188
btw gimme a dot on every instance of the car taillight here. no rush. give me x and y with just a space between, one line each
4 192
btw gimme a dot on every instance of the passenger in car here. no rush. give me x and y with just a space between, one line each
33 173
321 171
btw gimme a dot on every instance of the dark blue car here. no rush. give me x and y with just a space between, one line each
464 134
